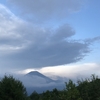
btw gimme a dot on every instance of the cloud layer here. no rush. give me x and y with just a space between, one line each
25 44
73 71
10 28
46 10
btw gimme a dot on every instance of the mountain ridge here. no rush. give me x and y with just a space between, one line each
36 73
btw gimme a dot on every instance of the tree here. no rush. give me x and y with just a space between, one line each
83 87
34 96
72 92
94 90
12 89
89 88
55 95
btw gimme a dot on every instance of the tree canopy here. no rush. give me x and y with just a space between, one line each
12 89
87 89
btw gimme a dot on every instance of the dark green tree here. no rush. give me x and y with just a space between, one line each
34 96
55 94
83 87
47 95
72 92
89 88
12 89
94 90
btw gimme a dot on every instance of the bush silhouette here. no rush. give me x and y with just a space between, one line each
12 89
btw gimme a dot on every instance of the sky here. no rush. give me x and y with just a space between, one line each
54 37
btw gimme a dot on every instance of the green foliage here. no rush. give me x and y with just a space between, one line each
83 87
34 96
12 89
88 89
94 88
72 92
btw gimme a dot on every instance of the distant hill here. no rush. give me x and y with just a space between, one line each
35 74
35 81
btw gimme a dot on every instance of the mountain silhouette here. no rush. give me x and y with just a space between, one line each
39 75
35 81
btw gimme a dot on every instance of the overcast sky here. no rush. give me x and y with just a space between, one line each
51 36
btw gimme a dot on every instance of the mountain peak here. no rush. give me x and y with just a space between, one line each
38 74
34 73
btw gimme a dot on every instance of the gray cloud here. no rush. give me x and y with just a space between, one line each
49 47
25 45
46 10
12 31
63 32
95 39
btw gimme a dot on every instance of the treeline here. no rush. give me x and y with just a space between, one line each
87 89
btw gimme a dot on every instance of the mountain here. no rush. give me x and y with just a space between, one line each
35 81
36 74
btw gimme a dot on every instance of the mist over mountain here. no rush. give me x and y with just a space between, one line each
35 81
36 74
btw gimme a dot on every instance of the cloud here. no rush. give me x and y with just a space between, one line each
46 10
50 48
11 36
78 70
26 45
95 39
74 71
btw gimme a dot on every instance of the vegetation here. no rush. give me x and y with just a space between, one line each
88 89
12 89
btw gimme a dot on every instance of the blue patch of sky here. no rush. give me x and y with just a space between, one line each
3 1
9 6
86 22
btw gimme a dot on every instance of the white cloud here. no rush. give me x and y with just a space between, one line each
73 70
8 22
10 37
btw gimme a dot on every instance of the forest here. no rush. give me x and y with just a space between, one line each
82 89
